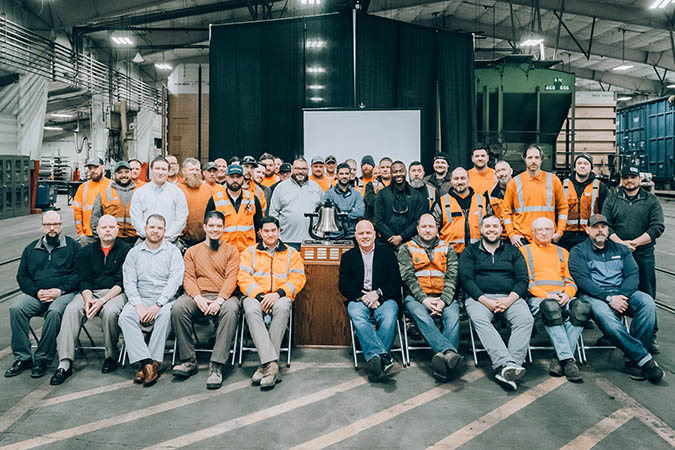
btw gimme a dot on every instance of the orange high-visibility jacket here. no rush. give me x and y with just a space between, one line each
324 183
239 226
482 182
262 272
429 273
258 192
496 205
83 202
527 199
453 224
111 204
580 210
269 181
547 269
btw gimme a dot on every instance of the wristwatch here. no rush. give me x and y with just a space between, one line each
220 302
159 304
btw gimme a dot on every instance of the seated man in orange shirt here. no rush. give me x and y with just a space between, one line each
552 290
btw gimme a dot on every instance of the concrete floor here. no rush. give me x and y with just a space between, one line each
323 402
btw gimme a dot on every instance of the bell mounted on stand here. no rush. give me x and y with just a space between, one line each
331 224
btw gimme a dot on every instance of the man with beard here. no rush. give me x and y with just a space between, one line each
416 177
346 198
258 176
197 195
99 268
136 169
210 280
440 179
531 195
248 163
585 196
84 200
318 175
115 200
397 208
270 276
221 164
460 211
495 195
269 176
429 272
210 174
291 200
494 276
353 181
153 272
370 282
552 297
47 279
635 217
241 210
381 181
174 168
159 197
367 166
607 276
481 177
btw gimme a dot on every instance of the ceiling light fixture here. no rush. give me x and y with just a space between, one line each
623 98
310 2
315 43
163 66
660 4
670 86
531 42
122 40
315 86
138 58
623 67
53 128
316 69
61 116
316 99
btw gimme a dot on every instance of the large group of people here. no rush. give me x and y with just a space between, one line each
223 242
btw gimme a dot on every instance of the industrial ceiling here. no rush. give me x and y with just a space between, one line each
590 37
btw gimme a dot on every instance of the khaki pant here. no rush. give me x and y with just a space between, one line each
268 343
74 316
185 310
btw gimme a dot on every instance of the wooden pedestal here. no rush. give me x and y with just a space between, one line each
319 314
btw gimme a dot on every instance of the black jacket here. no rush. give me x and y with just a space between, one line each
390 223
97 271
41 269
501 273
385 273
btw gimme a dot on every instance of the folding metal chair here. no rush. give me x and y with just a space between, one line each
406 341
233 348
400 348
147 331
584 347
289 332
81 347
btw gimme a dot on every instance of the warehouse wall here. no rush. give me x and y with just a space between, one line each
26 102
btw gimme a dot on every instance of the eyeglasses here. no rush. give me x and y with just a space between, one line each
54 225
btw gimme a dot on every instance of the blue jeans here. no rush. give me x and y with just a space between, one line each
439 342
635 344
374 342
565 337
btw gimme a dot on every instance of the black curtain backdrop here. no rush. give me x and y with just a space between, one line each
264 73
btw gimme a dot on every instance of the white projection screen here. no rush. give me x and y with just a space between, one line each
354 133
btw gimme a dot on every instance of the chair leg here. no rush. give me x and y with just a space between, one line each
91 341
405 339
173 357
290 334
529 354
402 346
473 344
234 344
241 338
37 340
351 328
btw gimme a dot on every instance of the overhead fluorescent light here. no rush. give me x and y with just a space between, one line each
53 128
163 66
316 99
623 67
531 42
310 2
670 86
316 69
659 4
61 116
315 86
315 43
138 58
122 40
623 98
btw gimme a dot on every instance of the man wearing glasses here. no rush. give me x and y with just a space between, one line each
47 278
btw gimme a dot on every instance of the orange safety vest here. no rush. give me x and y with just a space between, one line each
111 204
580 210
239 228
83 203
430 273
256 190
262 272
452 229
547 276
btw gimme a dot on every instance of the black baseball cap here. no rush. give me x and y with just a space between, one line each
630 171
285 168
596 219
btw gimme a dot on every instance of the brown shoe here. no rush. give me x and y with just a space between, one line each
151 372
140 376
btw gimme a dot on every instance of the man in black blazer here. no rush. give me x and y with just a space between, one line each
369 291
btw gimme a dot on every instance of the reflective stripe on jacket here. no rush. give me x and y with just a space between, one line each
239 226
83 202
453 224
547 269
429 273
111 204
262 271
580 210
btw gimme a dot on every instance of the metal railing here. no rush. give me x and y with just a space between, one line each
28 52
